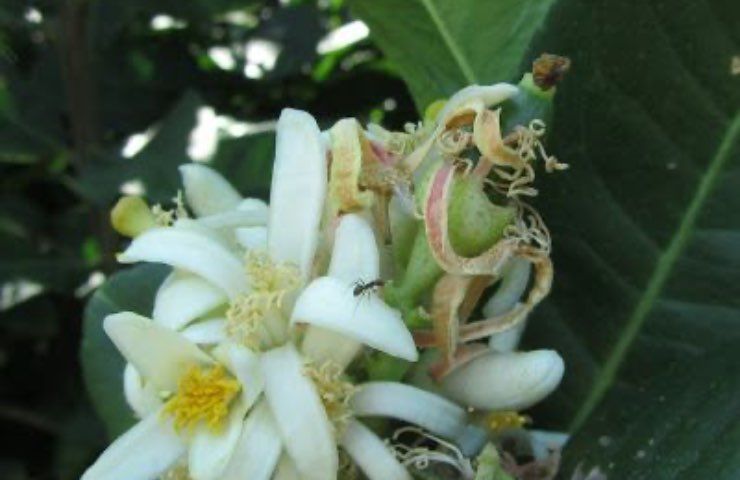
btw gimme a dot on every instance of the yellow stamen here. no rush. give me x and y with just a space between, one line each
507 420
270 281
334 391
178 472
202 394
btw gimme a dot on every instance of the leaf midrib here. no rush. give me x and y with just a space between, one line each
660 275
454 49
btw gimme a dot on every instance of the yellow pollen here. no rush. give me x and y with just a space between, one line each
507 420
178 472
334 391
270 282
202 395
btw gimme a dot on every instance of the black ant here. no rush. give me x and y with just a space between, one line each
360 287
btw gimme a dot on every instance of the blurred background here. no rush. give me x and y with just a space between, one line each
100 98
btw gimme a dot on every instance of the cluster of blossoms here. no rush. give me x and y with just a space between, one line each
390 276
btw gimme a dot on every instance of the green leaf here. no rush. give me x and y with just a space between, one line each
128 290
676 432
646 222
439 46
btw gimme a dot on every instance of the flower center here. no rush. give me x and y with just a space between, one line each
507 420
202 394
334 391
270 281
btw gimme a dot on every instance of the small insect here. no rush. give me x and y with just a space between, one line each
360 287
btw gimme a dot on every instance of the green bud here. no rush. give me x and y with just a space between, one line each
475 224
132 216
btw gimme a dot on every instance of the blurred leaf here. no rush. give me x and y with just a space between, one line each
296 32
676 432
21 260
34 317
79 441
155 166
128 290
247 162
440 46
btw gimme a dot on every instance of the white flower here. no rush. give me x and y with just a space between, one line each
219 322
204 400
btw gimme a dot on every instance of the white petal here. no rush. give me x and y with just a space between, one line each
183 297
298 190
235 219
513 285
159 354
258 448
252 238
411 404
141 397
299 414
210 452
505 381
330 303
286 469
354 257
322 345
206 191
144 452
372 454
253 205
206 332
245 365
190 251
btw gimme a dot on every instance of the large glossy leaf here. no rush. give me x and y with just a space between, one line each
128 290
677 432
440 45
646 223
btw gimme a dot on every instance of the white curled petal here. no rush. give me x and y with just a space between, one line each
159 354
211 451
330 303
252 238
145 451
206 332
411 404
258 449
206 191
354 257
299 182
235 219
513 285
142 399
371 454
286 469
300 416
192 251
183 297
505 381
